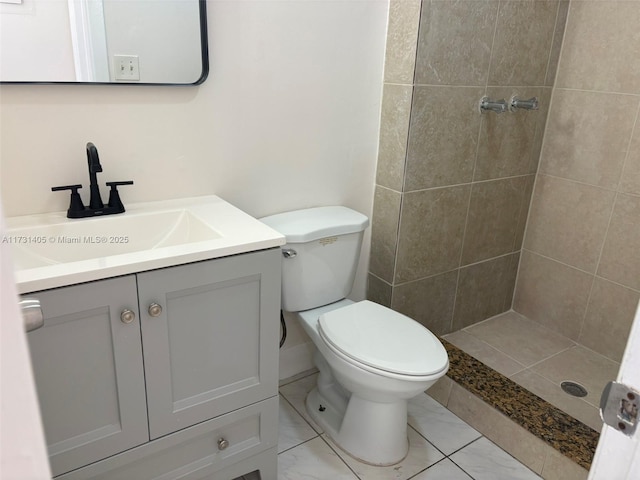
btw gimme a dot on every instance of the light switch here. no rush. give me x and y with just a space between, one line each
126 67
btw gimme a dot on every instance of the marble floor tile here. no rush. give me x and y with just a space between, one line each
296 393
438 425
484 352
313 460
293 429
421 455
483 460
443 470
522 339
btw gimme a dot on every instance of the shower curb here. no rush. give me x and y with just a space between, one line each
562 432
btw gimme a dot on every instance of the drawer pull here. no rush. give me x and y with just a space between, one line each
127 316
31 314
155 310
222 444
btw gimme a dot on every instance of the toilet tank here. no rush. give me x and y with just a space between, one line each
320 256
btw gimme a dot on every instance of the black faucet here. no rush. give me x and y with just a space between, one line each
93 161
96 207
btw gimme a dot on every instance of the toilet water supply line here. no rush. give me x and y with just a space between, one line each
284 329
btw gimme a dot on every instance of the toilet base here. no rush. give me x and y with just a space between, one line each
370 432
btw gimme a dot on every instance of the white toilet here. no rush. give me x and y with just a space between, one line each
371 359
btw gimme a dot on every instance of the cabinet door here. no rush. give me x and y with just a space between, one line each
88 370
214 346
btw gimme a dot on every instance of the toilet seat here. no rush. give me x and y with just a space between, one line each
382 340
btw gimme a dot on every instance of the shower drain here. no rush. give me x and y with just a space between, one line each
573 388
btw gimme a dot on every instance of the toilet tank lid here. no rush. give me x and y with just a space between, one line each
300 226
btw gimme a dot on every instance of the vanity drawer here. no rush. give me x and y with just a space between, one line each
195 452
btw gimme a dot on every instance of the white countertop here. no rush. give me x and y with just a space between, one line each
47 256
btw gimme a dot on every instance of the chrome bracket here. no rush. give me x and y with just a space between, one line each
289 253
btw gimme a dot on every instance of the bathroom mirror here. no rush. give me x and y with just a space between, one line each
141 42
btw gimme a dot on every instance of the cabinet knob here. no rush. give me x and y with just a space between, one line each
31 313
222 444
155 310
127 316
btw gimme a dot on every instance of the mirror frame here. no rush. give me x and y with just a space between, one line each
204 48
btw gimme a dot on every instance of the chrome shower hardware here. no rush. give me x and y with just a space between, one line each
498 106
517 103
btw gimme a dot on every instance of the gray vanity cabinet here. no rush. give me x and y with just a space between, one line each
88 370
209 349
187 389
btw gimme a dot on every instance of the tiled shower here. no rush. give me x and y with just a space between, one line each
536 211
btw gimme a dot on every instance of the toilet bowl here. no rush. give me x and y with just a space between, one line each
361 395
371 359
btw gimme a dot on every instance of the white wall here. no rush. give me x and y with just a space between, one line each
287 119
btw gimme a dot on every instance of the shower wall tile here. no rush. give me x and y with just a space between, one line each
553 294
523 42
609 317
431 229
558 35
511 281
492 222
630 181
524 211
482 290
384 231
620 259
506 141
600 39
402 39
454 44
588 135
394 132
442 137
429 301
436 148
379 291
544 102
568 221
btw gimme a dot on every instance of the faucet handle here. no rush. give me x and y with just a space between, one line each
114 196
75 206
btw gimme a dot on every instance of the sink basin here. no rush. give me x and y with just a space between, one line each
72 241
51 250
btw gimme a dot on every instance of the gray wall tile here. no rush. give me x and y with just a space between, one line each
428 300
482 290
552 293
454 45
394 133
443 136
431 228
384 232
609 317
523 42
568 221
493 219
620 260
588 135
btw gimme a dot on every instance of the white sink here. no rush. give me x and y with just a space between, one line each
51 250
73 241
